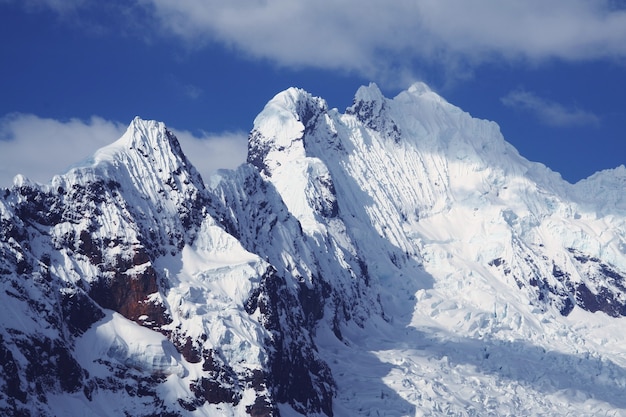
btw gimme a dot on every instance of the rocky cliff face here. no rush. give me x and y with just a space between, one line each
330 275
131 232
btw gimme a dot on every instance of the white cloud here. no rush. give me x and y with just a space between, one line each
209 152
549 112
531 29
372 36
40 148
376 38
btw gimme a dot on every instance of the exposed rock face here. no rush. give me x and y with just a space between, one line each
112 223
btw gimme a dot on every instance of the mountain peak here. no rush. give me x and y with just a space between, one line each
148 162
279 128
144 137
419 88
370 92
150 146
295 101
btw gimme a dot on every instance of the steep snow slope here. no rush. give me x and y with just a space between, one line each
123 295
488 266
398 259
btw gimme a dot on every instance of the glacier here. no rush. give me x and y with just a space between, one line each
397 259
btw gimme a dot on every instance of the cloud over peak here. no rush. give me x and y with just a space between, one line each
42 147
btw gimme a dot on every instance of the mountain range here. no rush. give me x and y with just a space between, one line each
397 259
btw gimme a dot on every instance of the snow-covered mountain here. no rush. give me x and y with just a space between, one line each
398 259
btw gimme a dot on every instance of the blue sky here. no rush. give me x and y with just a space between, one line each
74 73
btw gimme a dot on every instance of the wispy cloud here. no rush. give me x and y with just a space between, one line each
549 112
373 37
378 38
40 148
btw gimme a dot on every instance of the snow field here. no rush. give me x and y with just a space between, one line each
460 337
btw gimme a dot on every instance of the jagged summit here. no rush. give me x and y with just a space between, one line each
141 135
278 129
146 140
370 92
295 101
148 158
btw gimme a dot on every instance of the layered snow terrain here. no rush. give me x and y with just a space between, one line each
397 259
